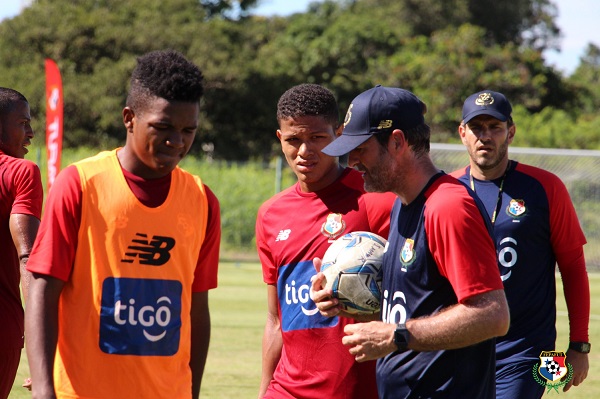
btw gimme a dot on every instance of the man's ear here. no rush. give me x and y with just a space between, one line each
128 118
397 139
512 130
462 130
338 131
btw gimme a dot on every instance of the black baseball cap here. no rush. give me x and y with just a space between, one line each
376 110
486 102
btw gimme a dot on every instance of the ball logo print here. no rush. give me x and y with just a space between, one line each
352 269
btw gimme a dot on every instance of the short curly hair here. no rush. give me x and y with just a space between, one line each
308 99
166 74
9 99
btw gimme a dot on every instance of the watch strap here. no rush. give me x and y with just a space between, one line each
401 336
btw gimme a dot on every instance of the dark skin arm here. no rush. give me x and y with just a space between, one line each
23 229
41 324
272 341
200 317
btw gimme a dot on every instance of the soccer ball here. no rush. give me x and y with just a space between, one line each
352 269
553 367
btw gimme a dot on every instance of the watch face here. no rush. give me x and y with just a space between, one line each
583 347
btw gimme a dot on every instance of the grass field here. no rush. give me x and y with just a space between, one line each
238 309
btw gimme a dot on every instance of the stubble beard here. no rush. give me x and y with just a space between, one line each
490 163
380 178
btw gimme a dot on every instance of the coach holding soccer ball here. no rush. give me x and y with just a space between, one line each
443 300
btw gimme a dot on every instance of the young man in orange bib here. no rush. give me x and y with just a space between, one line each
127 251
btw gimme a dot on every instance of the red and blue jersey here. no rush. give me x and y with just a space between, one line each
440 253
292 228
535 221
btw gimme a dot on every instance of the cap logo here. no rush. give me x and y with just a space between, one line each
484 99
348 115
385 124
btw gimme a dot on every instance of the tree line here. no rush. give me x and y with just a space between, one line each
441 50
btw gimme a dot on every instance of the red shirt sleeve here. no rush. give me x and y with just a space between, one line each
576 287
28 191
567 240
269 269
54 249
460 243
379 208
205 276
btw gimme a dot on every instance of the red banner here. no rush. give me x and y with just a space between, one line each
54 120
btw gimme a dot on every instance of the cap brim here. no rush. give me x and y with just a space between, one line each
495 114
344 144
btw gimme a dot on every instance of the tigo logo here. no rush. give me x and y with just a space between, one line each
140 316
298 311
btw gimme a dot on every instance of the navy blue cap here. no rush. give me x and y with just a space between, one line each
376 110
486 102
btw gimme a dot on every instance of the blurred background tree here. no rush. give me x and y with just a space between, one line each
442 50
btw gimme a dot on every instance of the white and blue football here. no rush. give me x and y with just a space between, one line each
352 269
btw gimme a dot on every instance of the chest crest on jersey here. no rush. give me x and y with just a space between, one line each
407 255
516 208
334 226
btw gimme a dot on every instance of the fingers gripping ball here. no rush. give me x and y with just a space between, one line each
352 269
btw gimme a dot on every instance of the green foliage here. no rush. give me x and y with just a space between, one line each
587 80
443 51
451 64
523 22
552 128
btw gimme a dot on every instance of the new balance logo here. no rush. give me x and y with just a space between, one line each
154 252
283 235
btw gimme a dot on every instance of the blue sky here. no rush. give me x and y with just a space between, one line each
577 19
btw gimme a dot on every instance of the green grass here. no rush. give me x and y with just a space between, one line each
238 311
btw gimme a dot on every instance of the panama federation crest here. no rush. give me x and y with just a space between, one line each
553 367
407 255
334 226
516 208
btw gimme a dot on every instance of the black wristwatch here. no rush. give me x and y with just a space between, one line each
401 336
583 347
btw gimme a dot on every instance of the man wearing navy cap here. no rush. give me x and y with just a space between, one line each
443 302
535 227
